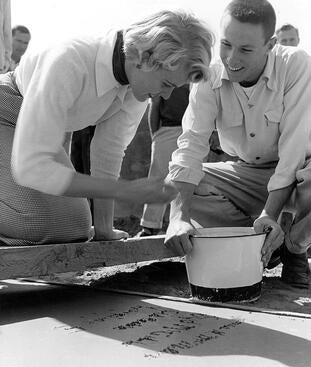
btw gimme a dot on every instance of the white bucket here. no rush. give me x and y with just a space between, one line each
225 264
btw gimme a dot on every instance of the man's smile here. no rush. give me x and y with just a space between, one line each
234 69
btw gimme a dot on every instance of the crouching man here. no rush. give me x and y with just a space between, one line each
258 97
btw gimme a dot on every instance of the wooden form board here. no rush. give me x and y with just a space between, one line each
32 261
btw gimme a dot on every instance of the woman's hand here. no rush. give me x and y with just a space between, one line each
274 238
178 236
146 190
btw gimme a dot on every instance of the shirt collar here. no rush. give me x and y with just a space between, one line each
220 74
105 80
267 73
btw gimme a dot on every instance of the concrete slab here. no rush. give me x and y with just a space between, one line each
44 325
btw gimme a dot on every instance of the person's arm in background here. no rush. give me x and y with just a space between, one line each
154 121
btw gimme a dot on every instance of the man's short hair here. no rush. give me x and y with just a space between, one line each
287 27
21 29
254 12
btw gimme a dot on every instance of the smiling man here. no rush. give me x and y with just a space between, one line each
258 99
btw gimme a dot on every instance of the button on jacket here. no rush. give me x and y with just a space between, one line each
273 124
67 88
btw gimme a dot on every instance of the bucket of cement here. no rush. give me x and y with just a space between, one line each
225 264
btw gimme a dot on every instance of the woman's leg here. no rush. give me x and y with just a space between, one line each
30 217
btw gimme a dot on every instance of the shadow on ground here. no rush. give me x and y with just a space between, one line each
169 278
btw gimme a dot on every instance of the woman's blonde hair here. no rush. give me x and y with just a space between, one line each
171 39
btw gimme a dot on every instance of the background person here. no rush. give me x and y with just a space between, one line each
164 121
88 81
20 41
258 98
287 35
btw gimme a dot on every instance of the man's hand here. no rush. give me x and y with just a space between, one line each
177 236
274 239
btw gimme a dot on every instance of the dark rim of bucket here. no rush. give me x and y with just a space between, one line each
239 294
228 236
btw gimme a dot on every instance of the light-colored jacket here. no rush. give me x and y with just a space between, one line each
66 88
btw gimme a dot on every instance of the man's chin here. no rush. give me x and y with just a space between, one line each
235 77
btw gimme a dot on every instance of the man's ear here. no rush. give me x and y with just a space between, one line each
271 43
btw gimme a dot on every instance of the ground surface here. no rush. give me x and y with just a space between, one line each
169 278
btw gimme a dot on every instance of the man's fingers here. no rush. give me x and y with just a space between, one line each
273 240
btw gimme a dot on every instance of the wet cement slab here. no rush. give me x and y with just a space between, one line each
44 325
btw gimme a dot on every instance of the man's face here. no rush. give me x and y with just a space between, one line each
156 83
288 38
243 49
20 42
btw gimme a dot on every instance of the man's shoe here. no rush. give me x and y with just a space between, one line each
275 259
296 271
145 232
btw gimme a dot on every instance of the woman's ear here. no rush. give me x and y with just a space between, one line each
143 64
145 57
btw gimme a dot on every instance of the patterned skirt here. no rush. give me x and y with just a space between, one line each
29 217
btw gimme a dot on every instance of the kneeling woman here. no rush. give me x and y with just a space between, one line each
104 82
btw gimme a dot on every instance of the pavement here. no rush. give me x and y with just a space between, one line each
53 325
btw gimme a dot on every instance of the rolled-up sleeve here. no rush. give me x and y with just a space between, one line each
193 144
53 83
295 126
113 135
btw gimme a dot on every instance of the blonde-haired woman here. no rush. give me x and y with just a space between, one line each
104 82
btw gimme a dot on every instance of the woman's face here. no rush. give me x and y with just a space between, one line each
155 83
